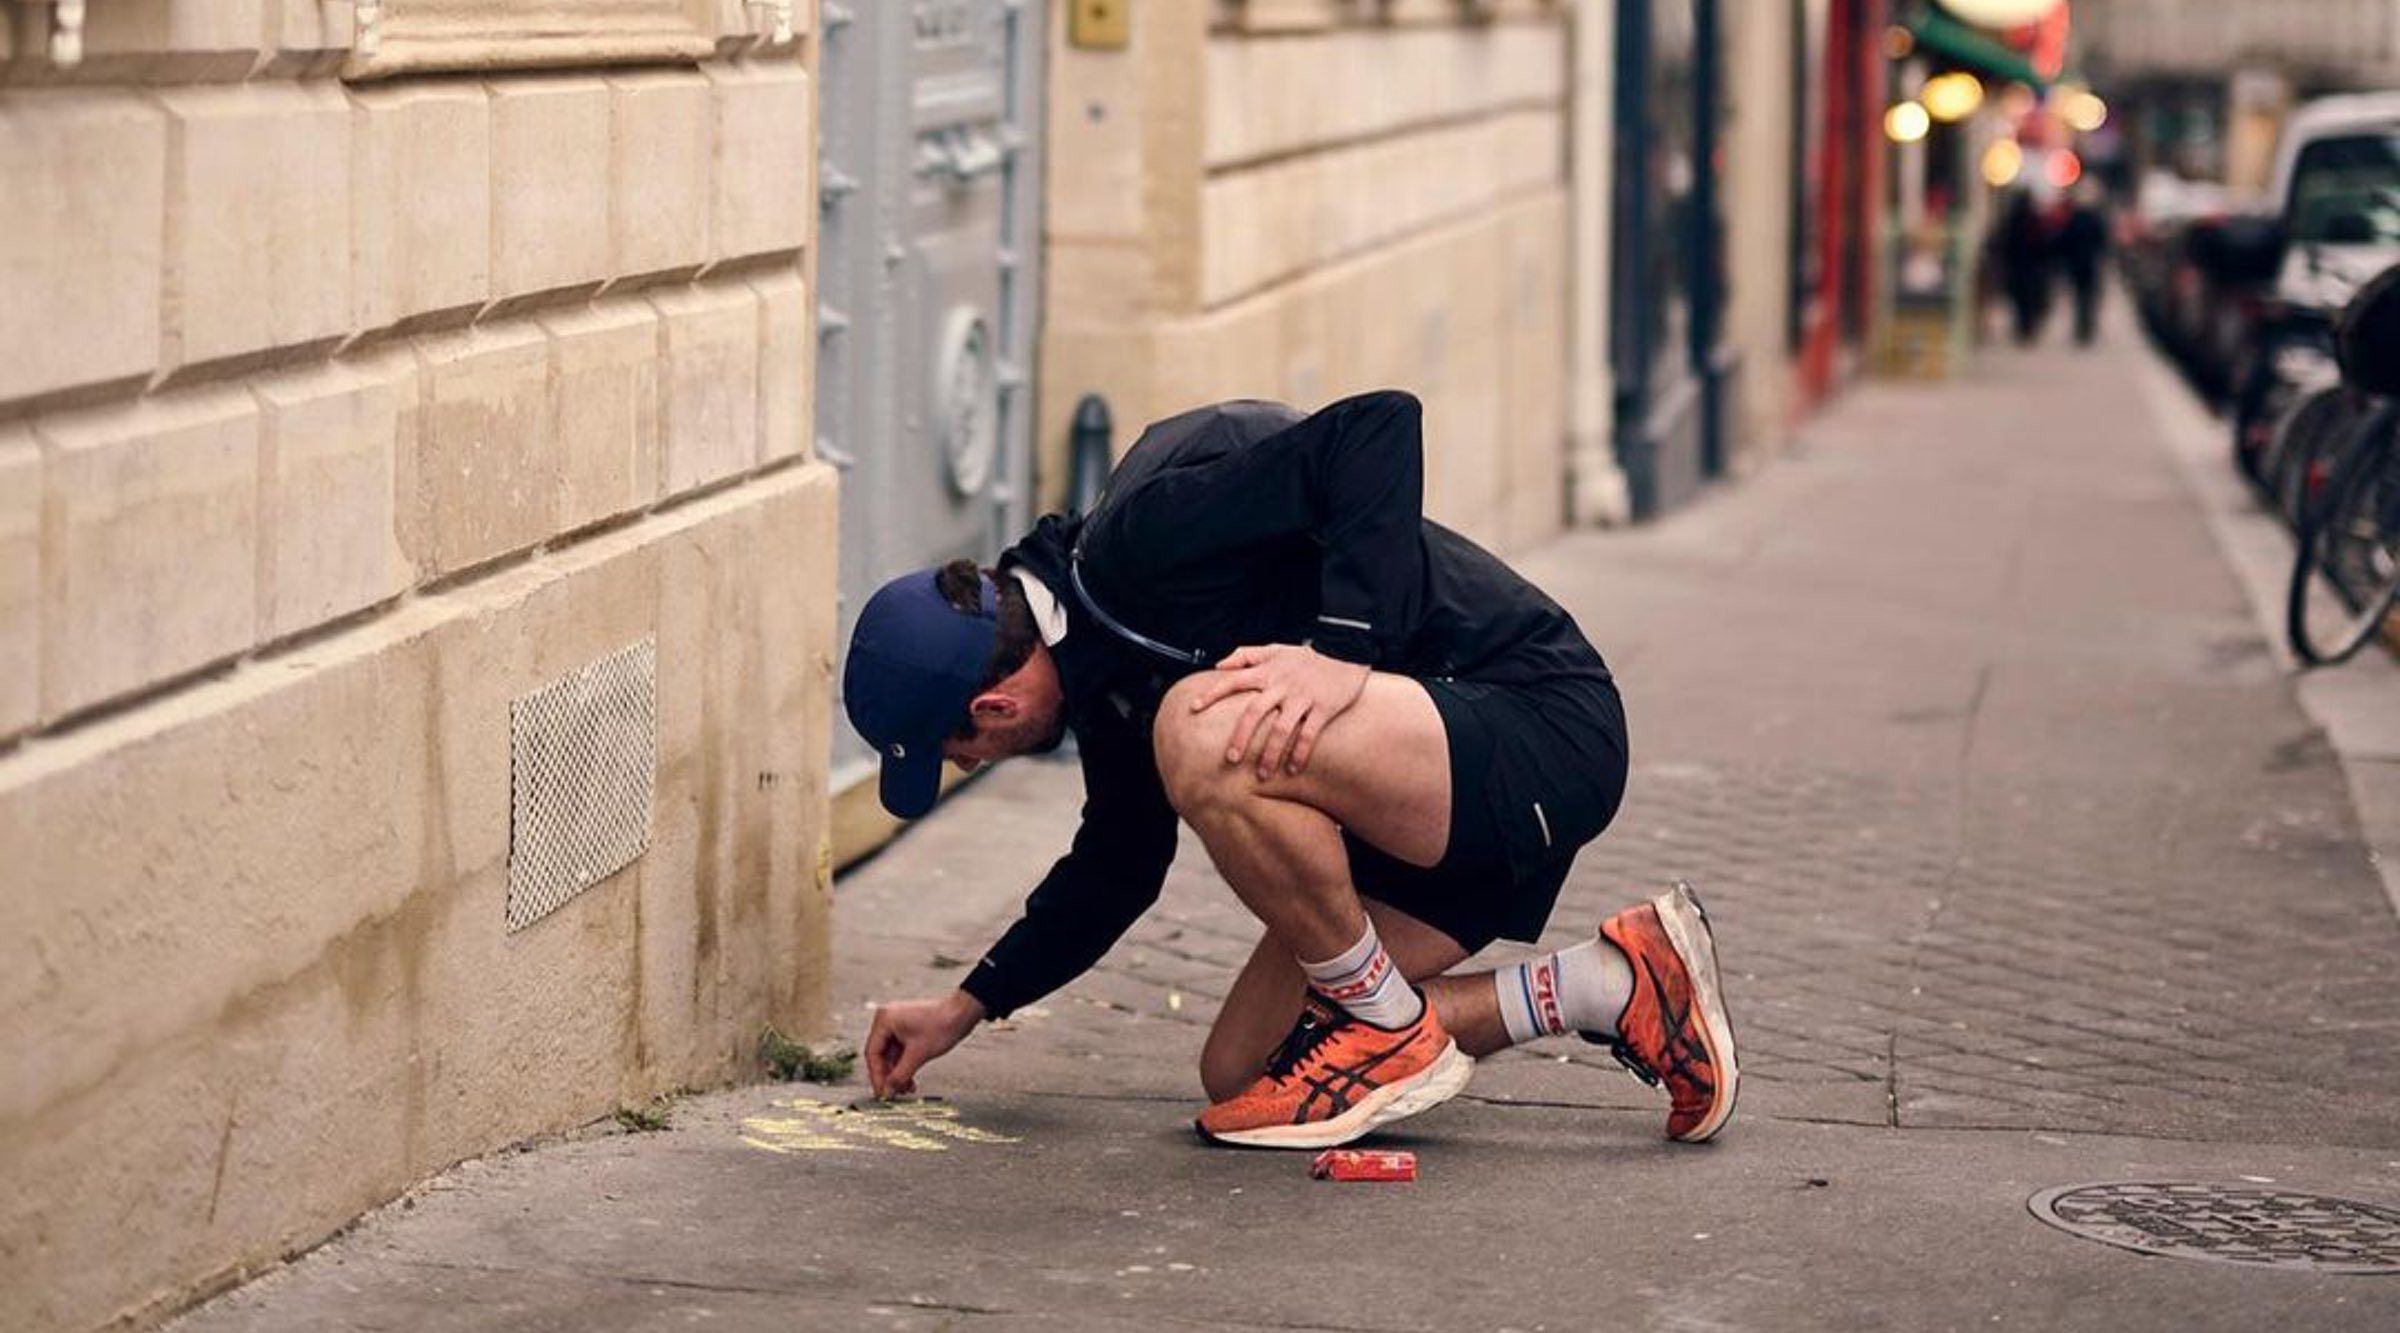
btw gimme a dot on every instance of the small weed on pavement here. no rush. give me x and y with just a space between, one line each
788 1060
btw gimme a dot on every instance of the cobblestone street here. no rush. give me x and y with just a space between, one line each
2028 864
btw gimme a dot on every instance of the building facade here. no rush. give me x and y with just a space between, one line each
416 602
2208 83
1302 199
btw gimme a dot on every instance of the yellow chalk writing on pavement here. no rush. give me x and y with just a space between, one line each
815 1126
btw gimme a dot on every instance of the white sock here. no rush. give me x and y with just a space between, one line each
1362 980
1582 989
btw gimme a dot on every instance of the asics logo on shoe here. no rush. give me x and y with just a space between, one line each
1685 1056
1343 1086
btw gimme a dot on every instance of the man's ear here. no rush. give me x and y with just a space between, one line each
992 704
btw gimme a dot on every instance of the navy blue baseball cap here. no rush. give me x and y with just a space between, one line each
915 663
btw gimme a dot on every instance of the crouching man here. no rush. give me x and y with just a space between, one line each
1392 745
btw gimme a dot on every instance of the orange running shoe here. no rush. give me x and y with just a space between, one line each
1674 1030
1337 1077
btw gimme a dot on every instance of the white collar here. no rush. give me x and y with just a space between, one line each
1048 616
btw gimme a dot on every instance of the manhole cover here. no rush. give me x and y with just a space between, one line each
2229 1224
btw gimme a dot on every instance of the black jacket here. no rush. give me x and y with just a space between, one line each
1238 524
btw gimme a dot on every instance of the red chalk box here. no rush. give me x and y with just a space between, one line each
1363 1164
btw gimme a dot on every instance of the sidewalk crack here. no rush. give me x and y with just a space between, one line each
695 1284
1962 796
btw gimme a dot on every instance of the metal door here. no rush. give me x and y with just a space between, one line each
929 176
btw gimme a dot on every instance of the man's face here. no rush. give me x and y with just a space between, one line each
1022 714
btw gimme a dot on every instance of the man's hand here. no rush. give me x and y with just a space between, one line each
907 1033
1298 692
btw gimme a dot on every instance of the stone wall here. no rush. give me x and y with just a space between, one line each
1761 172
353 384
1301 199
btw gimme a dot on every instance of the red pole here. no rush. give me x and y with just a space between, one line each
1874 17
1822 321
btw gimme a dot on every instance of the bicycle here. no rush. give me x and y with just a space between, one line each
2309 437
2346 577
2295 354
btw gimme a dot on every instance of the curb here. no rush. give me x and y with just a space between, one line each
2357 705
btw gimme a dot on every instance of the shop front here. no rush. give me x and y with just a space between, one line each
1676 376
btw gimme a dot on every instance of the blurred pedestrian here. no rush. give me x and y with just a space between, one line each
1391 743
2028 253
2082 244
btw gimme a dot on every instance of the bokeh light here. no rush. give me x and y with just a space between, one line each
1952 96
2002 162
2083 110
1906 122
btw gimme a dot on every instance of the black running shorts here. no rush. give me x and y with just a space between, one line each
1536 771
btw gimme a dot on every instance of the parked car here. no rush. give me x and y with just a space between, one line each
2180 248
2336 224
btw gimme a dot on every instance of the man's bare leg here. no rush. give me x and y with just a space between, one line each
1381 770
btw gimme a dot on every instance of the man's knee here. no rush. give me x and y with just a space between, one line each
1190 747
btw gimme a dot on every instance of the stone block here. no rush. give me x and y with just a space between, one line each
163 40
308 36
150 525
84 175
422 217
1270 98
604 363
744 900
1348 301
481 478
1116 361
1122 166
1464 418
1288 16
1270 222
258 220
741 25
328 537
658 171
764 160
1094 157
786 365
550 183
1534 336
1226 353
20 579
711 382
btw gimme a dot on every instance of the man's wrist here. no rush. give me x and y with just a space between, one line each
964 1008
1344 644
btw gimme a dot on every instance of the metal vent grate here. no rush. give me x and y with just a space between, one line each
2229 1224
582 764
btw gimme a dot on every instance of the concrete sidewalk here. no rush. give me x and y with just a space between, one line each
2030 866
